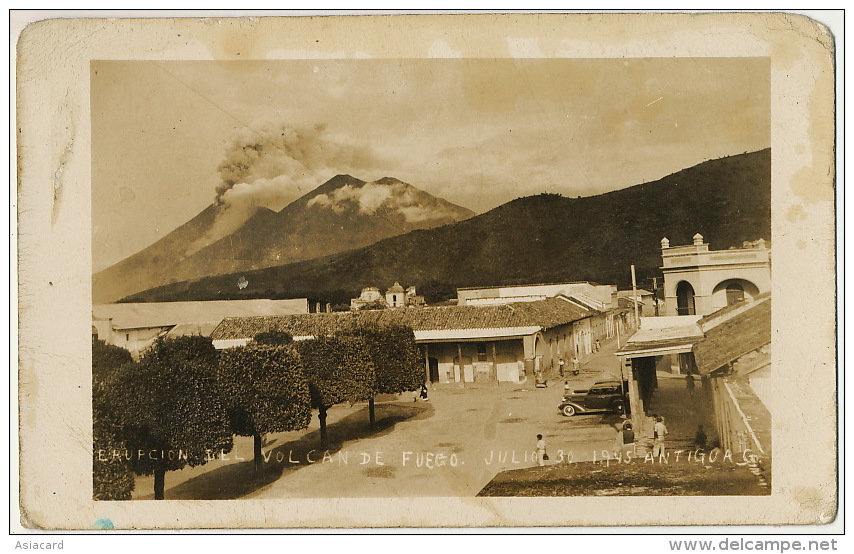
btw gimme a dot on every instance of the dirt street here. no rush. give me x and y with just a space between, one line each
451 445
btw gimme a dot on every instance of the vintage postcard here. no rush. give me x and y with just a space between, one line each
426 271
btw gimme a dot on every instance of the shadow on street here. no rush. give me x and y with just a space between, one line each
237 479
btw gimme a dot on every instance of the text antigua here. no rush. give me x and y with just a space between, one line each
716 455
431 460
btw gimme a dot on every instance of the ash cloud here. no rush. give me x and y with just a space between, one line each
273 166
370 197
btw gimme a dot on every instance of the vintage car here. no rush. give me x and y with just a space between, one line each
603 396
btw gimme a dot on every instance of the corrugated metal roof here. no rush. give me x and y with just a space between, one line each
164 314
657 335
656 347
547 313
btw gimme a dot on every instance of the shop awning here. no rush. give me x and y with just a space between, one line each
658 336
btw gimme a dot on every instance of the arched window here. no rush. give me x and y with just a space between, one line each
685 299
734 293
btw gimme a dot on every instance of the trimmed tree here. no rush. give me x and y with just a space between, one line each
112 478
397 364
172 409
265 391
339 369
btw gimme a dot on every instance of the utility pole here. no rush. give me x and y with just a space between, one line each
635 297
655 294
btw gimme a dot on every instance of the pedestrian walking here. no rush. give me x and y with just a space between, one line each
658 434
560 364
700 439
689 385
541 451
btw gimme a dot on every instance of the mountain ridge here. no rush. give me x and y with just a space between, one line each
540 238
341 214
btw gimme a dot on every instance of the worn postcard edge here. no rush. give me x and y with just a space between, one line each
52 131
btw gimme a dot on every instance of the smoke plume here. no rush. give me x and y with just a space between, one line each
370 197
273 166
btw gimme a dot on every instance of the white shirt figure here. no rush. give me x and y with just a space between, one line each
658 441
541 450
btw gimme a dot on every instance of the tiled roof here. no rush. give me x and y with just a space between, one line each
715 318
203 329
735 336
547 313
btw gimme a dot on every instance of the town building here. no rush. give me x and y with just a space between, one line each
395 297
699 281
459 344
598 297
716 325
646 301
734 356
135 326
585 295
370 297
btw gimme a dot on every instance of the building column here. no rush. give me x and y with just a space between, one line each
427 362
635 405
461 364
494 371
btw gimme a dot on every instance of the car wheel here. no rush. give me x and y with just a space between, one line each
568 410
619 407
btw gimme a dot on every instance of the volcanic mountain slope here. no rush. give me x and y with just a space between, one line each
544 238
342 214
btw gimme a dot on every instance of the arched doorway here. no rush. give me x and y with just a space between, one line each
733 291
685 299
734 294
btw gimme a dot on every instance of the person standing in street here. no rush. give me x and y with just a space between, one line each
541 450
659 433
689 385
700 438
560 365
626 438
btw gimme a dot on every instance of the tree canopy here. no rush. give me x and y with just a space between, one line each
394 354
339 369
265 389
171 408
112 478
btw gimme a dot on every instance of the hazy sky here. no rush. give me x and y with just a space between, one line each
477 132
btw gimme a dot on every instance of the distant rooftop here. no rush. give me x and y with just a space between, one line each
163 314
530 285
547 313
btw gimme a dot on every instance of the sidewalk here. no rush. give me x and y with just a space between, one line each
682 412
594 367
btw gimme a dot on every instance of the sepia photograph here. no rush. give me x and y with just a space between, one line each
320 275
519 293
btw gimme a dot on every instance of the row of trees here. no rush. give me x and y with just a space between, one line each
184 400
